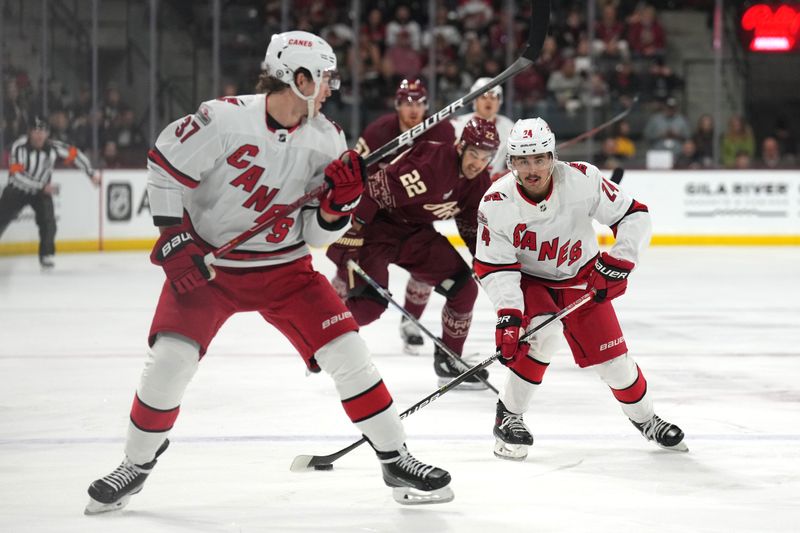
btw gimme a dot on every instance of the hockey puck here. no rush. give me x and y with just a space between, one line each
323 467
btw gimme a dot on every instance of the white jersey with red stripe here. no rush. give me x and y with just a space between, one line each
503 125
553 240
227 169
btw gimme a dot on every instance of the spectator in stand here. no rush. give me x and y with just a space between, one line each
111 107
609 34
453 83
646 36
110 157
608 156
689 158
573 30
595 91
230 88
59 127
15 112
403 24
625 147
661 82
742 161
375 29
737 138
704 140
529 91
475 15
624 84
444 28
473 56
129 141
401 60
771 157
550 59
787 142
372 86
667 129
564 87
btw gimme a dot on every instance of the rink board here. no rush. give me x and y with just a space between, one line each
687 208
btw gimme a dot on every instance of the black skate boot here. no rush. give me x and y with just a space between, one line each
447 369
112 492
414 482
47 262
411 335
668 436
512 435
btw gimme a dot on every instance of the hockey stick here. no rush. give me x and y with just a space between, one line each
436 340
538 32
303 463
594 131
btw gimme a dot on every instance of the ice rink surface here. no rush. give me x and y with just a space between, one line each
715 330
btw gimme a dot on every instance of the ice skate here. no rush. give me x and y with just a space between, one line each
47 262
414 482
112 492
412 337
512 435
447 370
666 435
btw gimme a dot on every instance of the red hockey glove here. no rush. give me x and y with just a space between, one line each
347 247
346 178
182 260
609 278
510 326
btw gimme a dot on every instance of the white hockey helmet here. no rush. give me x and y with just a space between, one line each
497 90
530 136
292 50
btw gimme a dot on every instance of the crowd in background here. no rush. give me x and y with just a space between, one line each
469 38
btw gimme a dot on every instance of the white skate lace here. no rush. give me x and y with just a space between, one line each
655 428
122 475
514 423
413 466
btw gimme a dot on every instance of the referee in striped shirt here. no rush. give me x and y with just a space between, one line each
30 169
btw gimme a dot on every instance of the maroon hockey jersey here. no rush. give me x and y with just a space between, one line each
422 185
387 127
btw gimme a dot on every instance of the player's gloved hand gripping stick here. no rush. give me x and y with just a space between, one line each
538 32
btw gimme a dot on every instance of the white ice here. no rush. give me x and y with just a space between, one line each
715 330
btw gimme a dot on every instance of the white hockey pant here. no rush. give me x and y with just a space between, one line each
620 373
518 392
171 363
346 359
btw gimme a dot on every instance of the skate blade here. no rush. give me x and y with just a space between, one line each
96 507
464 385
680 447
411 496
510 452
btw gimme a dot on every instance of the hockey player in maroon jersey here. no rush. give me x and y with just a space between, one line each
537 252
212 176
394 224
411 106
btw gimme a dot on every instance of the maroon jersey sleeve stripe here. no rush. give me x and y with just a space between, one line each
158 158
635 392
484 269
369 403
150 419
529 369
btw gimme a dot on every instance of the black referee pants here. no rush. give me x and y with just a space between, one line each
11 203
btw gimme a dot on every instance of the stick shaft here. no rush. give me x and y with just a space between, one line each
436 340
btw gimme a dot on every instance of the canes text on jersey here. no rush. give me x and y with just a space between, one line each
260 197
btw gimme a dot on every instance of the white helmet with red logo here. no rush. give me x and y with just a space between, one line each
292 50
530 136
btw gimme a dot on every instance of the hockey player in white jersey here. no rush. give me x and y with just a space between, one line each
212 176
536 253
487 107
